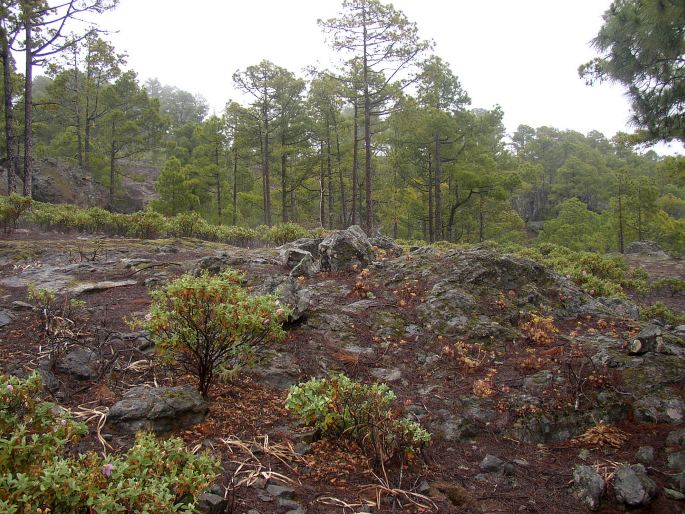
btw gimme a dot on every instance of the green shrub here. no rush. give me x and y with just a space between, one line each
671 284
147 224
186 224
211 323
341 407
150 224
239 236
37 474
599 275
661 312
12 207
284 233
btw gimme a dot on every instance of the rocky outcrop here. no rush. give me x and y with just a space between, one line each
588 486
387 245
633 487
81 363
346 250
160 410
289 292
650 248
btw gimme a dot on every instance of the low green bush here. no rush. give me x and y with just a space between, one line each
340 407
12 207
285 232
146 224
673 285
38 474
211 324
187 224
661 312
597 274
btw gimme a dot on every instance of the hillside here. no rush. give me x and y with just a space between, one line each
535 392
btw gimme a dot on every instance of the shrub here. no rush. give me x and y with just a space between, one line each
239 236
671 284
341 407
599 275
186 224
285 232
38 475
661 312
147 224
12 207
211 323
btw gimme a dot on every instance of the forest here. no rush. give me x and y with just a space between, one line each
350 290
389 140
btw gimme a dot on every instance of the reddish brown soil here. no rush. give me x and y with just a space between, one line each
250 410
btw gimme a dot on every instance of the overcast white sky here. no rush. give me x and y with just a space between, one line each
522 54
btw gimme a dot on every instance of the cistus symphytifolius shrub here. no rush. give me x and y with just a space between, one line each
211 324
39 473
340 407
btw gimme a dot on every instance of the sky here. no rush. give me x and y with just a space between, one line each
522 55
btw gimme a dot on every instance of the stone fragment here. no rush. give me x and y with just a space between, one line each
588 486
633 487
160 410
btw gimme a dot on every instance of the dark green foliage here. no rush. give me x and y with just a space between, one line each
211 324
662 313
641 47
12 208
340 407
37 474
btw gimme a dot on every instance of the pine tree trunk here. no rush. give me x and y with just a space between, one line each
367 161
12 161
438 194
355 159
28 110
481 220
621 236
235 183
77 112
367 136
284 179
322 208
112 169
329 168
218 182
265 166
284 187
343 200
431 233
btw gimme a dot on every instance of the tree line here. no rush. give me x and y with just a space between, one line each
388 140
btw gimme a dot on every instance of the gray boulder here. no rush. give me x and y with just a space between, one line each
647 340
676 438
676 461
620 307
491 464
345 250
633 487
646 248
388 245
645 455
159 410
289 292
82 364
5 318
210 503
304 244
588 486
307 267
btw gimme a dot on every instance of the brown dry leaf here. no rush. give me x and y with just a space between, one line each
603 434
